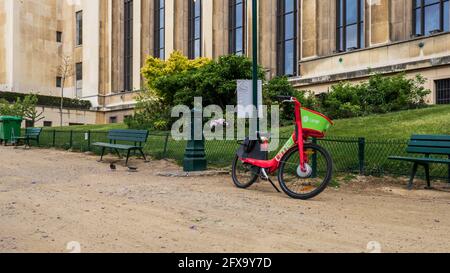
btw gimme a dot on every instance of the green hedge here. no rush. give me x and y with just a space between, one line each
49 101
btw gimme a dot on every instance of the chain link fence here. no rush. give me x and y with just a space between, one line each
350 155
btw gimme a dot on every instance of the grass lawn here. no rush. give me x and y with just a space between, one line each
85 128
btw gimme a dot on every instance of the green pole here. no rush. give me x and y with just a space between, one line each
255 58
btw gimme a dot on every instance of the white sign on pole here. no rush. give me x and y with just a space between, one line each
245 99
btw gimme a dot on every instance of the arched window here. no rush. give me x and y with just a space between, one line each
350 25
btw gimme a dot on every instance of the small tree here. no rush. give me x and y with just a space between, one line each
64 70
29 110
25 108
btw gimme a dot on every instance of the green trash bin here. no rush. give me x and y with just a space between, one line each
9 128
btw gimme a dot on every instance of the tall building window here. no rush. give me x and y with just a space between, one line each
237 27
58 82
287 37
431 16
79 80
350 25
195 28
159 29
59 37
79 28
128 45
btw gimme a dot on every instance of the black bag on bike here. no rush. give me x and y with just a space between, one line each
252 149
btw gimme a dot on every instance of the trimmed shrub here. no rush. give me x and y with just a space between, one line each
49 101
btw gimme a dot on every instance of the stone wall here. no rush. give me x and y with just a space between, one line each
70 116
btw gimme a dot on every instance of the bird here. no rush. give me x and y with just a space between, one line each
112 166
132 169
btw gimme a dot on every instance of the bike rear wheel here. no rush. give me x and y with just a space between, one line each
307 185
244 175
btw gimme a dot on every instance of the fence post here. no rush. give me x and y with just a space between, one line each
54 137
314 160
449 172
362 155
71 140
89 140
166 143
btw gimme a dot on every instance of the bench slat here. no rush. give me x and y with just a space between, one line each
428 150
33 132
431 137
421 160
435 144
128 135
116 146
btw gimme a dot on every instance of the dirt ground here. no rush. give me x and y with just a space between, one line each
52 201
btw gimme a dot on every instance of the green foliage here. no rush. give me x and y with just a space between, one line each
178 81
215 82
380 94
164 79
150 113
25 107
49 101
10 109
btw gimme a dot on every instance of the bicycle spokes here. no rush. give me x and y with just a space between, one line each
305 181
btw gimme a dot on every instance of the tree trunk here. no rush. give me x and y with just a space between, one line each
62 102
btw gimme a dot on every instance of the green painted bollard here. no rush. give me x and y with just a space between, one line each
195 156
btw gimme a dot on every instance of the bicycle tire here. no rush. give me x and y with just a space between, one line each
236 180
323 185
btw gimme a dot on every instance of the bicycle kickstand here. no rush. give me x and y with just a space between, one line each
273 184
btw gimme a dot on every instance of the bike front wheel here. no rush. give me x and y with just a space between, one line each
309 184
244 175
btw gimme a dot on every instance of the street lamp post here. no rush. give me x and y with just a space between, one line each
255 58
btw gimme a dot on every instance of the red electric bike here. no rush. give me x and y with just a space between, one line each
304 168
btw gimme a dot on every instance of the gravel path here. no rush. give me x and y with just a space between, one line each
49 198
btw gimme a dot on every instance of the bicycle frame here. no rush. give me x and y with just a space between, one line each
273 164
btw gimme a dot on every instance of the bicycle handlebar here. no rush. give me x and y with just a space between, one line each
284 98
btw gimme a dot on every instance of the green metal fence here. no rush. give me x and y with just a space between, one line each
350 155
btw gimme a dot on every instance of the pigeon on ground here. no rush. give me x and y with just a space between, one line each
113 167
132 169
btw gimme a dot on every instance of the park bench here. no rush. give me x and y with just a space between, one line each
137 137
427 145
30 134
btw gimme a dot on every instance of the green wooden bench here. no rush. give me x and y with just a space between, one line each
427 145
137 137
30 134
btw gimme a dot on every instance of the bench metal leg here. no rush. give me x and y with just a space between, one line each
27 143
143 155
118 153
413 175
103 153
427 174
128 157
449 172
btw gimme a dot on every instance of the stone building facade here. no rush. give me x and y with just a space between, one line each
315 42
